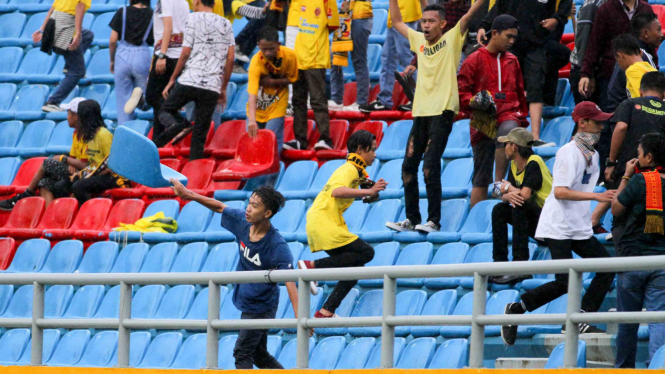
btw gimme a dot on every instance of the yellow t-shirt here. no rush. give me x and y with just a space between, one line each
218 9
437 72
361 9
317 19
94 151
271 101
69 6
326 228
410 10
294 14
634 77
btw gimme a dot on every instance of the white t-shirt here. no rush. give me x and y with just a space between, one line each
566 219
209 36
178 10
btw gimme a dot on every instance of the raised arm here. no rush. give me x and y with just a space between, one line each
396 16
185 194
473 12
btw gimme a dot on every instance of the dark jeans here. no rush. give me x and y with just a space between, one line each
83 188
355 254
75 66
252 346
558 56
524 220
637 289
246 39
154 89
563 249
312 82
427 141
205 102
575 82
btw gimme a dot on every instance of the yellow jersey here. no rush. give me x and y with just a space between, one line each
271 102
410 10
294 14
317 19
361 9
218 9
69 6
634 75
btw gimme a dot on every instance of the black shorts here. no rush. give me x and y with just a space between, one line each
533 61
483 155
56 178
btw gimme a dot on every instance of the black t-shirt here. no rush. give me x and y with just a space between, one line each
634 241
137 23
643 115
533 177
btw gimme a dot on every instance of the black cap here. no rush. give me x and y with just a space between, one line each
504 22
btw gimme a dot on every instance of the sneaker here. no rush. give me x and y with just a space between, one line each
241 57
352 108
289 110
323 144
51 107
9 204
609 237
539 143
402 226
428 227
372 107
238 69
403 81
511 279
306 265
496 190
598 229
318 314
293 145
135 100
406 107
332 105
509 332
585 328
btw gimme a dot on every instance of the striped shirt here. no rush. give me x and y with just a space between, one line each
65 26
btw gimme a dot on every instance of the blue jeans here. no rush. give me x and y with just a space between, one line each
360 31
132 67
75 66
637 289
396 56
275 125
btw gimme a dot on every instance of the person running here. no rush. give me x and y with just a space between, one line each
438 58
261 248
565 221
326 229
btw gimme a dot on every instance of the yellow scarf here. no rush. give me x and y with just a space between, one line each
359 163
342 43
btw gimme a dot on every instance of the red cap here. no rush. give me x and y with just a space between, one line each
589 110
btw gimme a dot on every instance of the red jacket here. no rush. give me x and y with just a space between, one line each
480 72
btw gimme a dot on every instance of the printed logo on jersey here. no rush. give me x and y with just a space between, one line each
655 103
256 260
317 11
430 51
264 100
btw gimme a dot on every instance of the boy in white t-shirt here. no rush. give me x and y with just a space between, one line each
565 221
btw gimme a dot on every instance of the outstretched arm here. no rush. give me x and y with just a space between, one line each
396 16
185 194
470 15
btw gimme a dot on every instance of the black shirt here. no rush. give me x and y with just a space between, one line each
616 91
533 177
137 23
634 241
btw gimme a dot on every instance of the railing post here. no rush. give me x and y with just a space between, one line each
123 332
302 353
572 329
37 332
477 348
212 346
388 332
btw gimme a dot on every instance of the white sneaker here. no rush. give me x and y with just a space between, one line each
352 108
539 143
332 105
428 227
401 226
289 110
322 144
134 100
49 108
241 57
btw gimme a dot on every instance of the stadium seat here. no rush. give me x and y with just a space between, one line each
10 133
222 258
110 109
199 309
101 29
8 168
124 211
33 6
413 255
391 172
51 338
35 68
27 104
225 359
98 68
539 279
225 141
452 354
558 305
58 215
25 215
170 208
100 349
327 352
214 232
320 180
459 141
176 302
497 305
70 348
138 345
558 131
379 27
192 353
162 351
385 254
312 138
254 157
338 134
13 343
11 25
417 354
25 38
65 257
456 211
441 303
91 216
199 175
451 253
657 361
30 256
184 149
34 139
464 308
394 141
555 361
6 293
478 226
56 300
374 229
160 258
298 176
7 93
456 178
85 302
144 303
98 92
194 217
480 253
61 140
130 258
355 354
237 109
287 219
190 258
344 310
370 304
563 87
340 151
7 252
10 60
288 356
374 361
316 301
140 126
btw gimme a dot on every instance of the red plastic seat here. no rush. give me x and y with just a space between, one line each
399 98
185 145
91 216
173 163
125 211
137 191
312 138
199 175
254 157
25 215
338 133
7 252
564 72
58 215
375 127
24 176
358 116
225 141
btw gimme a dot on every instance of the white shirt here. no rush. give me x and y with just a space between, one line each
209 36
566 219
178 10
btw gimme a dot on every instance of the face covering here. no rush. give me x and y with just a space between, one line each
585 142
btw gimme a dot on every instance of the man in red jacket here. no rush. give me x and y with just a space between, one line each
494 69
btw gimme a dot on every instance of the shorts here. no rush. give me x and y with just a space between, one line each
483 155
56 178
533 61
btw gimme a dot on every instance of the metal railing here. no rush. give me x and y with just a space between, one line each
388 321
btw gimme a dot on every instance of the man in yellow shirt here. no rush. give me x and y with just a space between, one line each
317 19
66 36
435 104
627 51
326 229
271 71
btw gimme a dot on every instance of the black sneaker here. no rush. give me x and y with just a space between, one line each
293 145
9 204
511 279
585 328
374 106
509 332
406 107
403 81
539 143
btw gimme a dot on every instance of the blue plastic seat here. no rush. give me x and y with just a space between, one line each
7 93
287 219
343 310
562 89
176 302
34 139
170 208
451 253
452 354
98 69
356 354
657 361
315 303
85 302
374 229
413 255
385 254
51 339
327 352
147 300
370 304
30 256
394 140
194 217
70 348
497 305
559 130
64 257
6 293
162 351
61 139
192 353
539 279
379 27
374 61
441 303
160 258
11 25
556 306
288 356
32 6
225 359
478 226
101 29
138 345
35 68
296 251
214 233
555 361
98 92
464 307
8 168
10 60
237 108
190 258
480 253
110 109
316 185
456 178
456 212
228 309
10 133
13 343
130 258
374 361
199 308
99 258
391 172
100 350
297 177
459 141
25 38
417 354
136 158
224 257
27 105
140 126
56 300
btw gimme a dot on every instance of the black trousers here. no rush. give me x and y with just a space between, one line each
83 188
558 56
205 102
355 254
252 346
524 220
310 82
246 39
563 249
154 89
427 141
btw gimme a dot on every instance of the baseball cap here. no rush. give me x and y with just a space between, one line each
589 110
74 104
519 136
